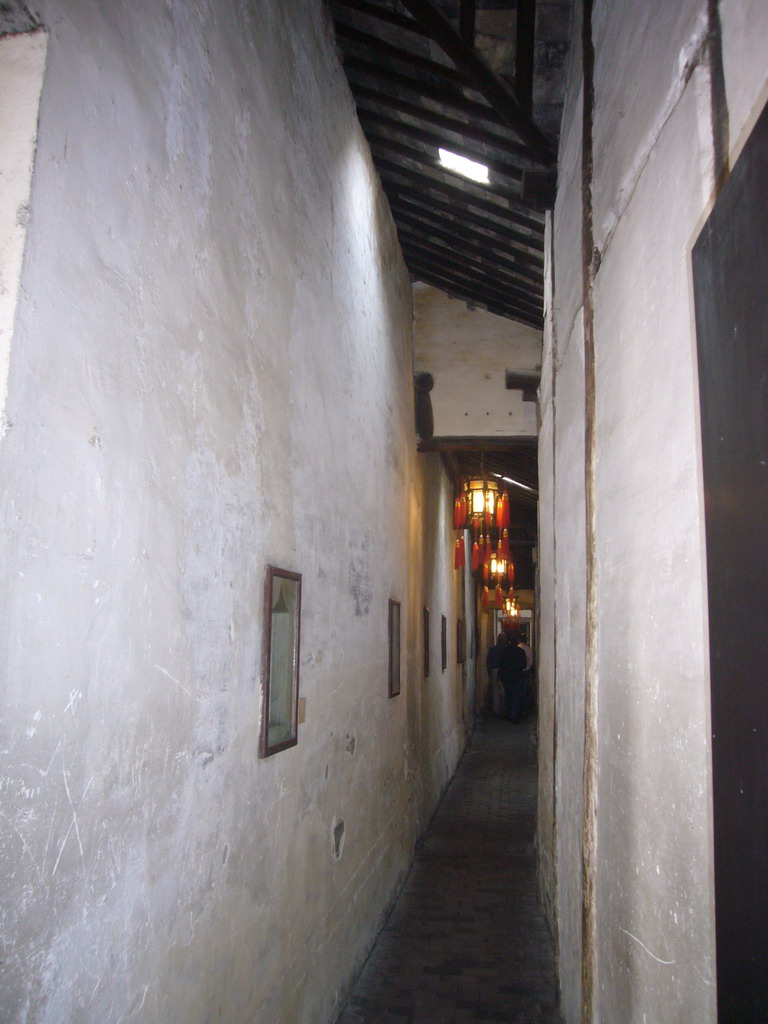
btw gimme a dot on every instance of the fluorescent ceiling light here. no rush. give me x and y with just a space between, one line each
461 165
516 483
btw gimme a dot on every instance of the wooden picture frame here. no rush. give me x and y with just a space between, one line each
394 648
443 643
461 642
280 661
425 630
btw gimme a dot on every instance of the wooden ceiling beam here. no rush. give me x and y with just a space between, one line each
494 237
482 78
418 88
435 117
480 443
529 288
455 233
467 22
495 203
383 14
464 244
415 60
525 39
523 250
468 291
488 263
435 248
471 150
466 276
414 251
464 194
464 295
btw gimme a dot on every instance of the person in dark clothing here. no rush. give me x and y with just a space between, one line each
492 665
512 661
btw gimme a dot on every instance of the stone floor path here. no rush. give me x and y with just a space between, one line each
466 942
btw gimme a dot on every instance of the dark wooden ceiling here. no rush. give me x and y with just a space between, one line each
473 77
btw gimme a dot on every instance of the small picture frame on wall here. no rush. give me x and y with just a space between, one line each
461 642
280 661
394 648
443 643
425 630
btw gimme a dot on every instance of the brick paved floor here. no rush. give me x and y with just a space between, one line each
466 942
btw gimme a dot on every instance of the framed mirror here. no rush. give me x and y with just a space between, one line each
280 665
394 648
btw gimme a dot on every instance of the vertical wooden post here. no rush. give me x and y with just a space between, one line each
467 22
524 53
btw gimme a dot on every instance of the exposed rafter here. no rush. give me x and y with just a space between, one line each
437 119
467 21
421 85
524 47
481 78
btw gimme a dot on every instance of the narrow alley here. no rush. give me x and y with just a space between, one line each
467 942
338 337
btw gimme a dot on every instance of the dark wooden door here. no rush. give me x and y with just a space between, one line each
730 272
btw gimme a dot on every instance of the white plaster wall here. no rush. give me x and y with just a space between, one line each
438 716
570 600
562 554
652 187
643 55
211 370
654 900
745 29
545 607
22 62
468 352
444 697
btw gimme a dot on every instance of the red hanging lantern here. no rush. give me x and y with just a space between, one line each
511 572
485 598
502 514
485 571
488 554
459 557
505 544
499 596
460 508
475 557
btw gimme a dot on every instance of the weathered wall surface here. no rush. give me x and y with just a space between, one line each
562 576
211 370
546 610
443 720
652 185
22 63
467 352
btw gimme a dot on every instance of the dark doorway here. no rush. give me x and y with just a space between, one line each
730 273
